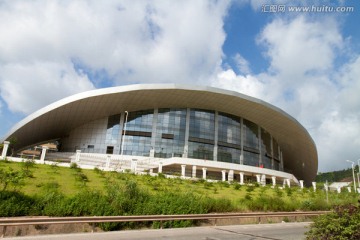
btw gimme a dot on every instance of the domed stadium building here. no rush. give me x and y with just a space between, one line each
181 130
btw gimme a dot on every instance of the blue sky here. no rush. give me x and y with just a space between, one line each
306 63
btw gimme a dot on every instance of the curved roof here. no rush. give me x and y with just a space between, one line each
58 119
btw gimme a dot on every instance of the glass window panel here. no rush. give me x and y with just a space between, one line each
201 151
250 134
171 123
251 159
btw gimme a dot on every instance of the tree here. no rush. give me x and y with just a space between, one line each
342 223
11 177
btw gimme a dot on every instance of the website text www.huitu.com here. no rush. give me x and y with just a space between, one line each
277 8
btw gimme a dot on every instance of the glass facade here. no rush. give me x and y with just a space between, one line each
276 155
202 124
266 159
137 138
170 133
201 134
178 132
251 143
201 151
229 138
113 130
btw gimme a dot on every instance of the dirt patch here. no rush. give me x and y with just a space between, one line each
12 231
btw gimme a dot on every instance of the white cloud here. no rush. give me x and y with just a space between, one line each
349 82
248 85
301 47
242 64
338 141
132 41
303 80
28 86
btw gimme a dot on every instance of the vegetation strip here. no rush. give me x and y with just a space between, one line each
28 189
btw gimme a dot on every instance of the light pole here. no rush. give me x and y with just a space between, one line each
352 165
123 136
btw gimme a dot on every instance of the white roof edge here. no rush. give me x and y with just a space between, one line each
135 87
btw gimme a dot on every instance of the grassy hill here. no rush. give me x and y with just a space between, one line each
336 176
30 189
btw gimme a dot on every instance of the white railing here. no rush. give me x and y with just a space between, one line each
140 164
60 156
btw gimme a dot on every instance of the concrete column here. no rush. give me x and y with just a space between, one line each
152 153
183 168
187 129
108 159
223 174
272 151
77 156
5 149
241 178
284 183
153 134
242 141
216 117
133 165
260 147
258 178
121 128
231 176
193 174
349 189
204 173
301 184
151 171
288 182
314 186
263 179
43 153
273 178
338 189
160 167
241 159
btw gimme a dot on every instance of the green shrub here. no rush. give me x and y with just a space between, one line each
236 186
248 197
223 184
12 178
81 177
208 185
288 191
250 188
74 166
50 186
315 204
278 191
161 175
55 167
14 204
28 163
342 223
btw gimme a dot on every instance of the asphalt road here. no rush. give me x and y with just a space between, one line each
288 231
